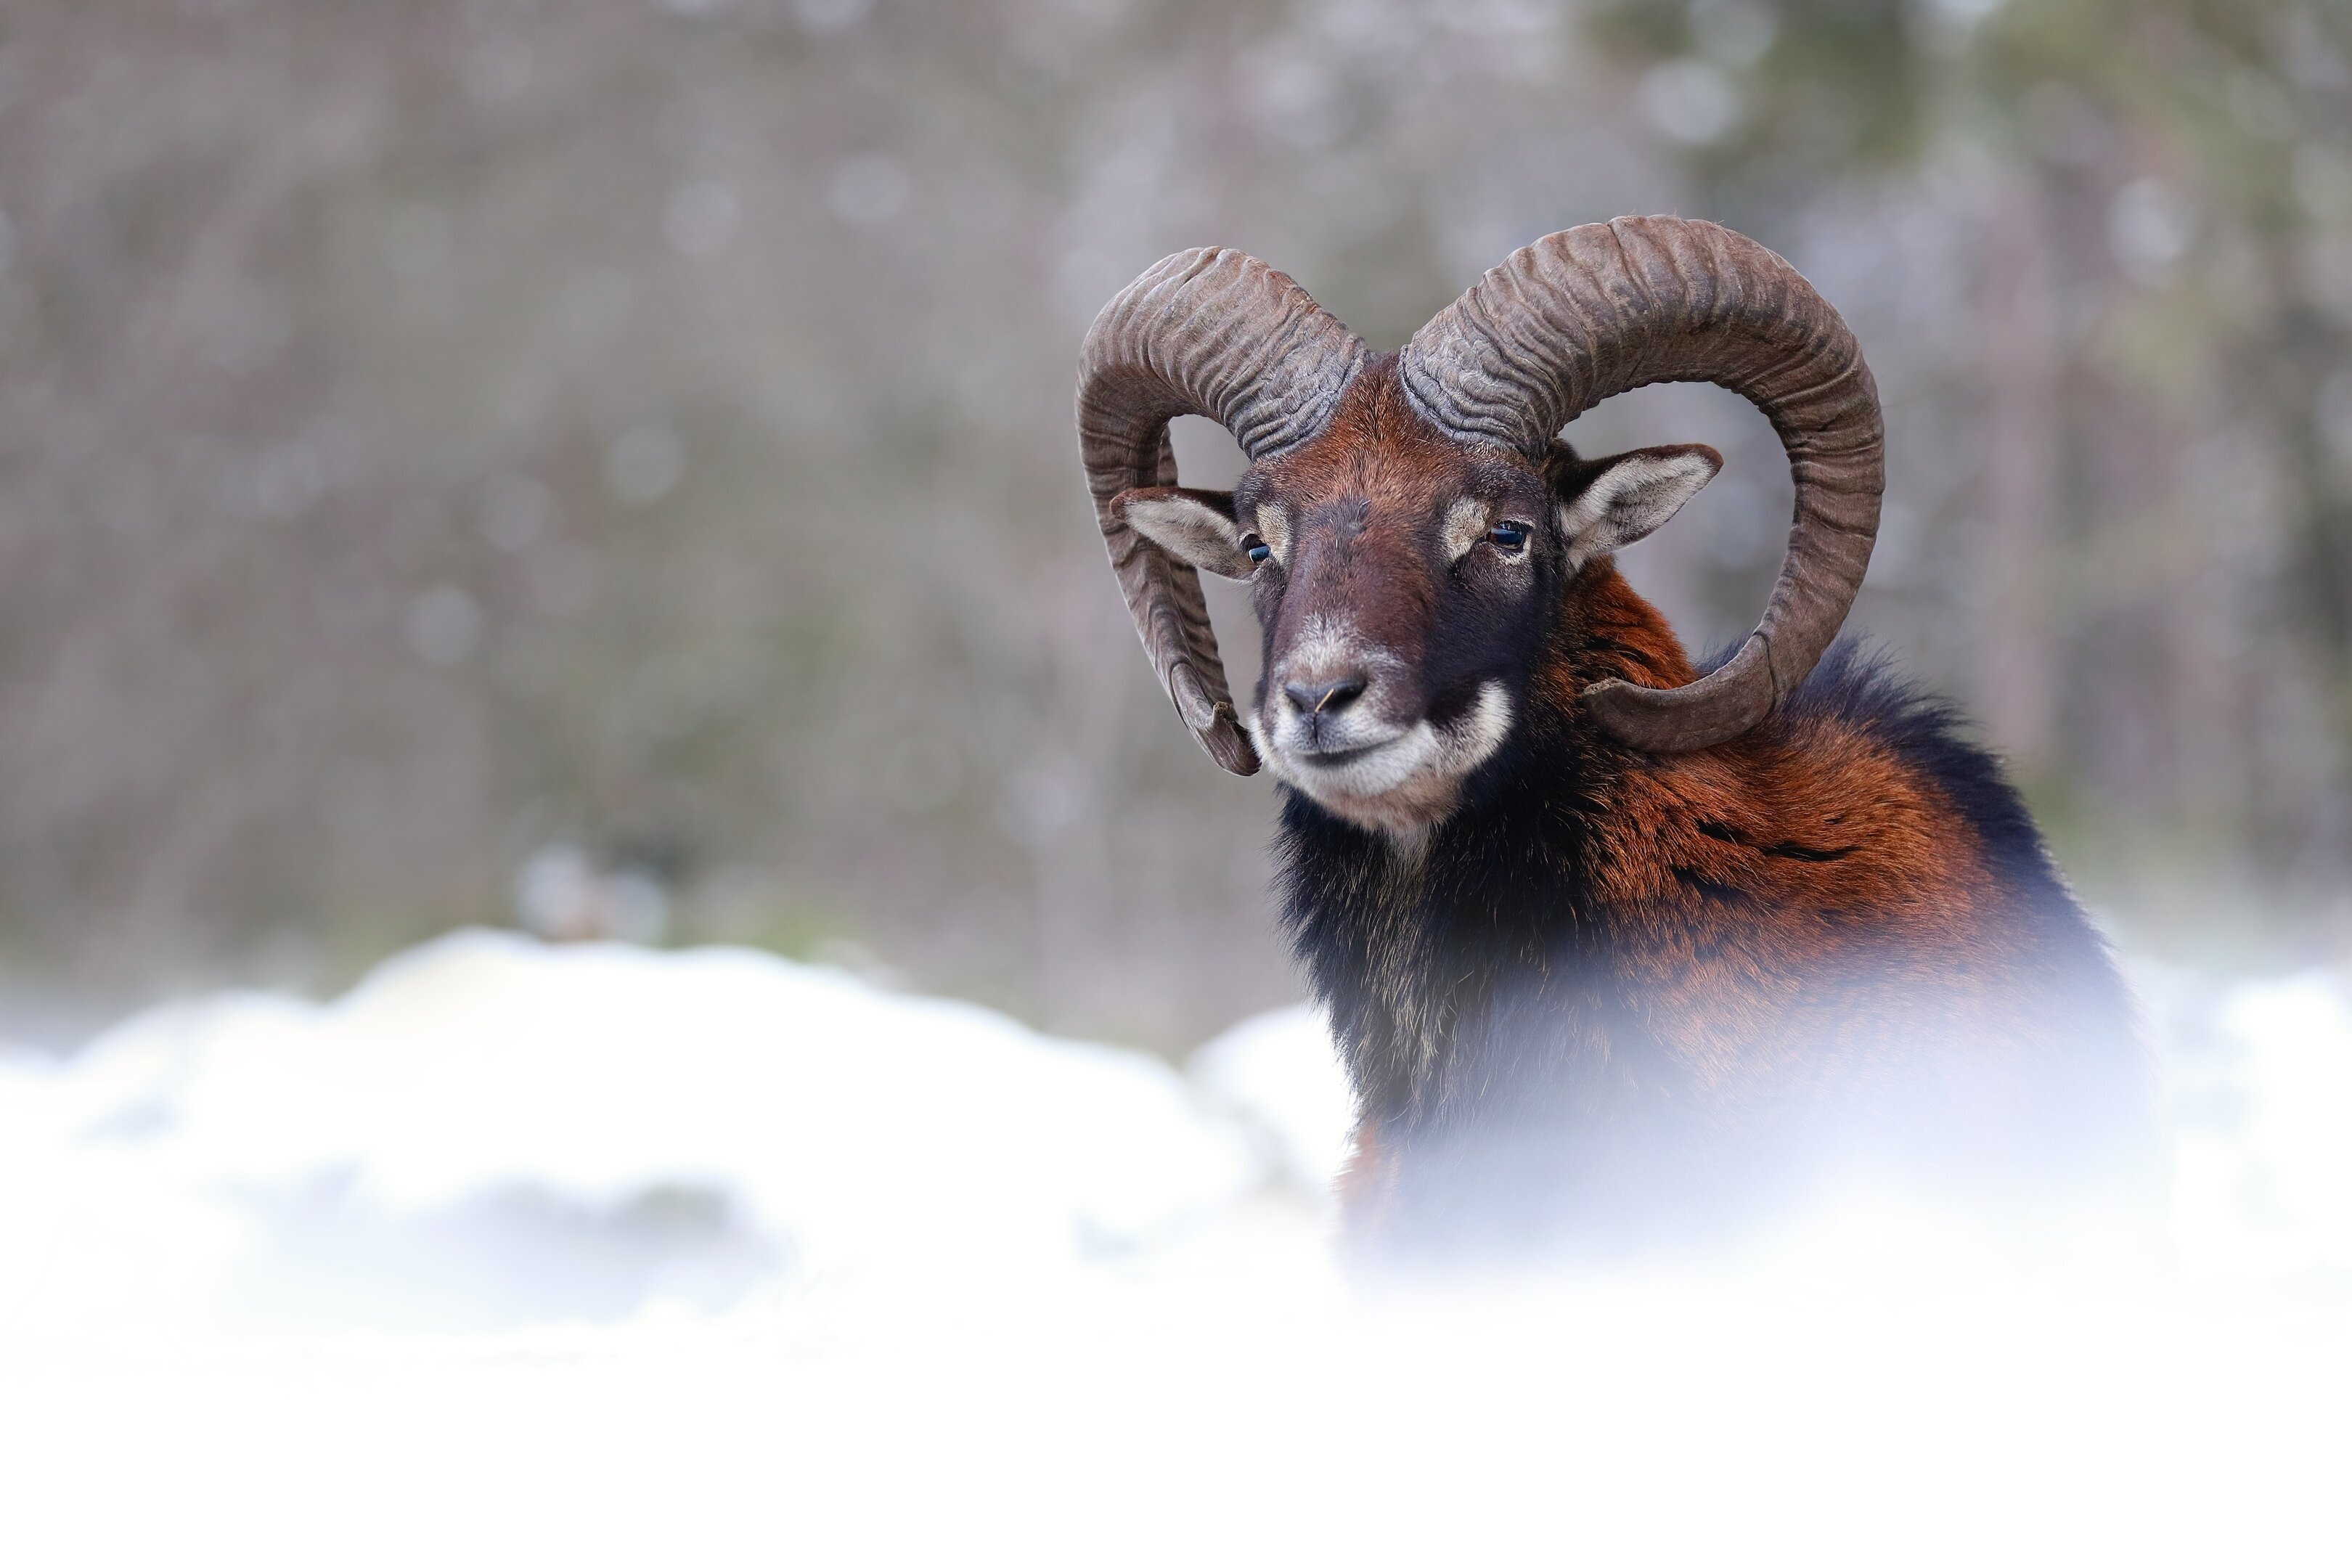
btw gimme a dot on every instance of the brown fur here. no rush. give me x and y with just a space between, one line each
1748 872
1570 975
1382 461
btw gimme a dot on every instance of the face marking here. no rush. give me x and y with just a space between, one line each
1465 525
1403 784
1398 628
1274 527
1326 648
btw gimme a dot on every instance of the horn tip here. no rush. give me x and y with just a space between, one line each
1227 744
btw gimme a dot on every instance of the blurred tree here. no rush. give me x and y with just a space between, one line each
2154 203
452 449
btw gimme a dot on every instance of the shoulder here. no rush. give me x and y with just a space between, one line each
1854 693
2025 908
1863 803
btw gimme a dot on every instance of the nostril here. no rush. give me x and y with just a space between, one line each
1329 696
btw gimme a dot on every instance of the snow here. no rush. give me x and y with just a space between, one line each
1277 1075
590 1253
2266 1193
834 1130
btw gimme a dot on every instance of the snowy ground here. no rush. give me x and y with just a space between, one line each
530 1254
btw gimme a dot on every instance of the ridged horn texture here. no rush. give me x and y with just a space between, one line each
1591 312
1215 332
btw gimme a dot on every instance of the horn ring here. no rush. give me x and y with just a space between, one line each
1589 312
1216 332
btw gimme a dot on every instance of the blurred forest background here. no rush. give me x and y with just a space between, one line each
607 465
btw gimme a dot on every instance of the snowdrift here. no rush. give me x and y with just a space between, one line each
520 1252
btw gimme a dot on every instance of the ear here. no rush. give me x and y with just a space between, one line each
1607 503
1194 526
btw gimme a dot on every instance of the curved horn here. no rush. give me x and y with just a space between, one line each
1215 332
1593 312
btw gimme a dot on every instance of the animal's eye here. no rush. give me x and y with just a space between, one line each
1256 549
1510 538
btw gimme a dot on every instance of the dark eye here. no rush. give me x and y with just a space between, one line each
1256 549
1510 538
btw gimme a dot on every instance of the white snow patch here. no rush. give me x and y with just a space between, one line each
852 1131
2263 1173
522 1253
1279 1074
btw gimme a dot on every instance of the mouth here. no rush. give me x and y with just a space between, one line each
1342 757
